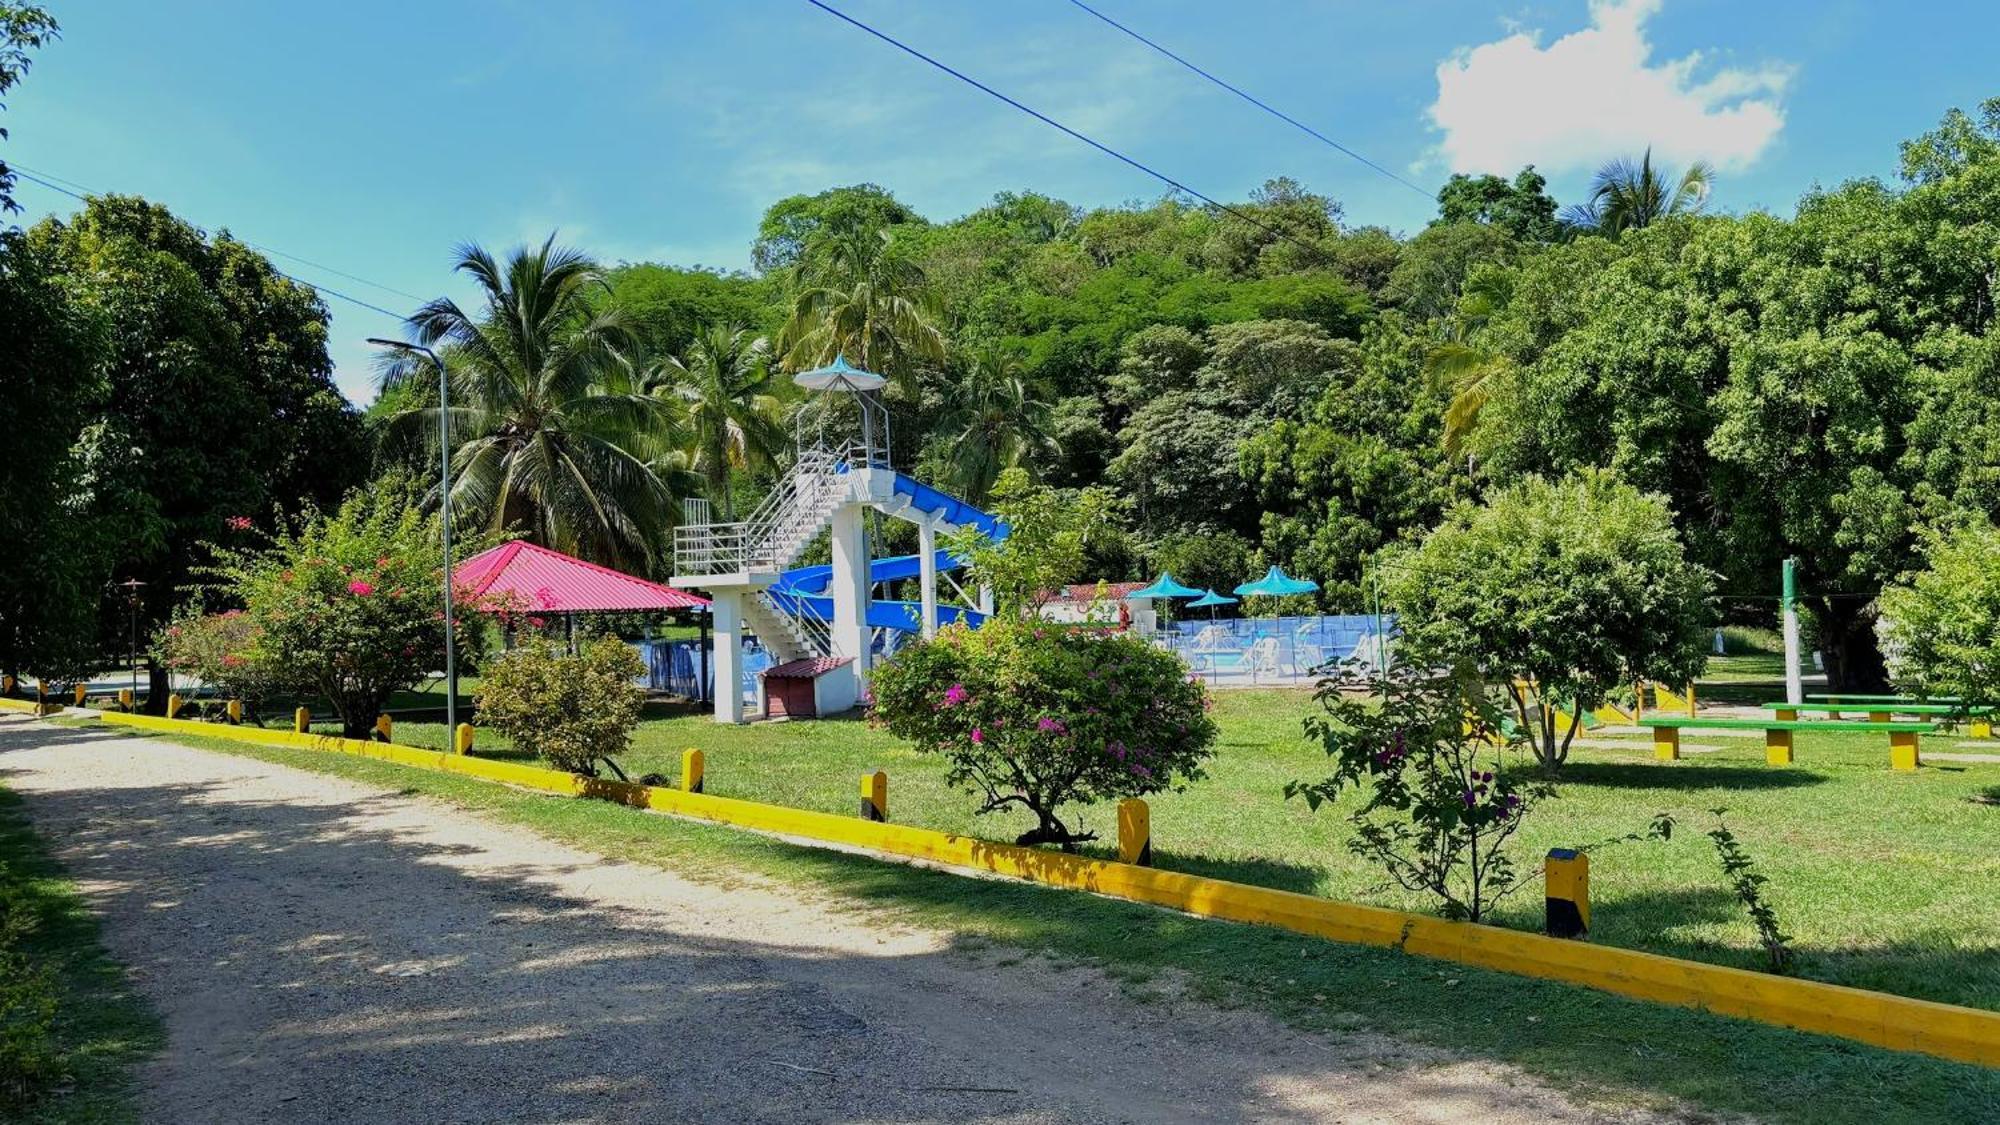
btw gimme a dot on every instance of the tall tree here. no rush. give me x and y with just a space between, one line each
23 28
853 295
726 386
995 421
1626 196
553 433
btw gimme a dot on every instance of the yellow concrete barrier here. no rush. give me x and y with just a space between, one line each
462 739
1135 832
693 764
20 705
126 699
302 720
1884 1020
386 727
174 703
1566 893
81 691
234 710
875 796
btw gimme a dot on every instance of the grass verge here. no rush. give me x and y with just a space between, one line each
102 1029
1610 1050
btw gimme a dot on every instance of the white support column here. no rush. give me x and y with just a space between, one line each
986 600
851 587
727 613
927 576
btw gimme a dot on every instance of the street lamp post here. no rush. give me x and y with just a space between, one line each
444 514
131 586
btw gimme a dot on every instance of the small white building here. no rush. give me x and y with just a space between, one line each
1108 603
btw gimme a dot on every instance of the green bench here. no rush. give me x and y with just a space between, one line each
1903 736
1882 708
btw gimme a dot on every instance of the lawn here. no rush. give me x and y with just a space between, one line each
1884 880
103 1029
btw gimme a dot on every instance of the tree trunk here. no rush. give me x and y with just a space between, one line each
158 685
1847 644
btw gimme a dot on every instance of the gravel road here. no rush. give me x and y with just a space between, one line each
325 951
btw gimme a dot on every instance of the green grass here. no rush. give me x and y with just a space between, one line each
103 1028
1612 1051
1884 880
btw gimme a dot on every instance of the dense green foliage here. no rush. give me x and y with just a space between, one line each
572 710
1563 591
1941 627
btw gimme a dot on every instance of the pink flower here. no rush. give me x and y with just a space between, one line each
359 588
381 562
238 523
978 736
1049 726
955 695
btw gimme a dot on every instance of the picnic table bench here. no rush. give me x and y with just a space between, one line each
1883 708
1903 736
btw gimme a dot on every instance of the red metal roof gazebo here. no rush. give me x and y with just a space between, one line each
539 580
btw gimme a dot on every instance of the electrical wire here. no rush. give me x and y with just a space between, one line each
1255 101
49 181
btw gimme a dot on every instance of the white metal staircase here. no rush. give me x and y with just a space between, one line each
785 636
771 539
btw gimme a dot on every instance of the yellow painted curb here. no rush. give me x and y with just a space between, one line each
1884 1020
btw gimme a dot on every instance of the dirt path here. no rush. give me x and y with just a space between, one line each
326 951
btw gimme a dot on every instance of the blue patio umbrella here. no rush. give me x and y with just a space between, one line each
1277 584
1165 587
1211 599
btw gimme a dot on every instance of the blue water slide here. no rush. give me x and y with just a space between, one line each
815 579
950 508
905 616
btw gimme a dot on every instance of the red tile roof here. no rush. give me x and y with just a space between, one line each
543 581
809 668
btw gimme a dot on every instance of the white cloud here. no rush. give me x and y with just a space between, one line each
1598 93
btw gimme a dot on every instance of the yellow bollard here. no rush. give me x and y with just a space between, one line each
6 685
1667 743
173 705
125 699
386 727
875 796
693 763
81 690
1691 699
234 710
302 720
1981 728
1135 832
462 742
1777 747
1903 750
1566 905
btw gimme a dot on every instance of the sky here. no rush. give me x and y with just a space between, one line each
370 138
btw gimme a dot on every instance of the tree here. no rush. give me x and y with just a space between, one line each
218 398
1626 196
792 225
23 28
1941 626
1050 533
345 607
1522 208
666 307
994 422
727 384
1562 591
573 710
553 434
854 296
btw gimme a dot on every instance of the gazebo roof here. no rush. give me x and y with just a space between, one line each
546 581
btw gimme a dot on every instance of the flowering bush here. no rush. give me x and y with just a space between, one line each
571 710
1042 717
347 607
1437 808
220 650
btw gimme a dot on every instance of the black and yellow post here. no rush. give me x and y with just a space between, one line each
693 764
6 685
875 796
81 691
302 720
461 740
1135 832
1567 905
235 711
173 705
385 728
125 699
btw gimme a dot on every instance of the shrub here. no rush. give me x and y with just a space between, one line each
570 710
1562 591
220 650
1043 717
1938 627
1438 808
348 607
1748 886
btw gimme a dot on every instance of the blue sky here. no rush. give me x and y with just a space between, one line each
371 137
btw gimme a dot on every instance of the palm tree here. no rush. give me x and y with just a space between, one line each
996 422
725 385
552 432
855 298
1462 362
1625 196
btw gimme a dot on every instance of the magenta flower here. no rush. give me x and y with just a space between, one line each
359 588
978 736
1050 726
955 695
238 523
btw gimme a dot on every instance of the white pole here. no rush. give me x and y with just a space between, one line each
726 614
1788 607
927 574
851 589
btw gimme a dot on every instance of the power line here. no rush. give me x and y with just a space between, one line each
1253 100
48 181
1054 124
